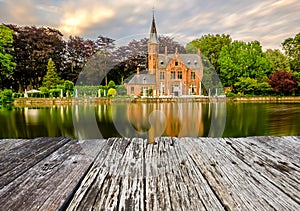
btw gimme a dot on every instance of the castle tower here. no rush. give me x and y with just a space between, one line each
153 49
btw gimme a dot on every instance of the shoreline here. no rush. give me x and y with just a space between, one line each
75 101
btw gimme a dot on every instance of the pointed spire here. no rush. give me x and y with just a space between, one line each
153 32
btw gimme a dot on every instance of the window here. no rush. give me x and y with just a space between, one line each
193 75
132 90
173 75
176 63
162 75
179 76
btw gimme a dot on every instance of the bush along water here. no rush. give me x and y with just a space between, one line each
6 96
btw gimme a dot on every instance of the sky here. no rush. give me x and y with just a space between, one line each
268 21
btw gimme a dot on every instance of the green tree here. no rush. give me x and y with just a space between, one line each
6 64
210 46
111 84
51 79
278 60
6 96
291 46
69 87
252 86
240 59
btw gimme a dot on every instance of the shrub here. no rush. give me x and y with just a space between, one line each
44 91
121 90
54 92
6 96
283 82
251 86
17 95
230 94
111 84
68 85
112 92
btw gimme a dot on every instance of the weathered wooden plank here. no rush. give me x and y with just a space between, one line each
271 163
49 184
133 175
115 180
173 174
7 144
17 156
236 183
185 186
288 147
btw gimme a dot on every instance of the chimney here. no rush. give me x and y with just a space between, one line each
138 70
166 51
199 52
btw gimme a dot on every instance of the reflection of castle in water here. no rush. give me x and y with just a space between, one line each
167 119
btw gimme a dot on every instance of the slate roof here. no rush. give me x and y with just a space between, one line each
144 78
191 61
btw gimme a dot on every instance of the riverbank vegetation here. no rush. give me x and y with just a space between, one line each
39 58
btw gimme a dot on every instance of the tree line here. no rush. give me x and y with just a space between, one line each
26 50
244 67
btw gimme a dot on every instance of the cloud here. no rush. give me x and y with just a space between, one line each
75 22
268 21
21 12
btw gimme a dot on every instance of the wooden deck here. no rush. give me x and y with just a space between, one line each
256 173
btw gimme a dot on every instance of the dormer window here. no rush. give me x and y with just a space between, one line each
176 63
195 61
188 61
161 62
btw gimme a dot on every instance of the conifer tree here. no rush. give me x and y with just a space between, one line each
51 79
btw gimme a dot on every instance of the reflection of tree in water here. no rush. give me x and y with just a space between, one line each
280 115
31 122
243 118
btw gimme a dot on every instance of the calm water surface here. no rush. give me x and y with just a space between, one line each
151 120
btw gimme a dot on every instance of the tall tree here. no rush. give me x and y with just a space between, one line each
278 60
33 47
171 44
291 46
128 58
51 79
105 46
78 52
211 46
240 59
6 58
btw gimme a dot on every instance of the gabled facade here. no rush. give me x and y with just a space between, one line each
167 74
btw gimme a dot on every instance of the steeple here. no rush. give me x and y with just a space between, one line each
153 32
153 48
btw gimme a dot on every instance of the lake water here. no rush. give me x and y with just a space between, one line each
151 120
